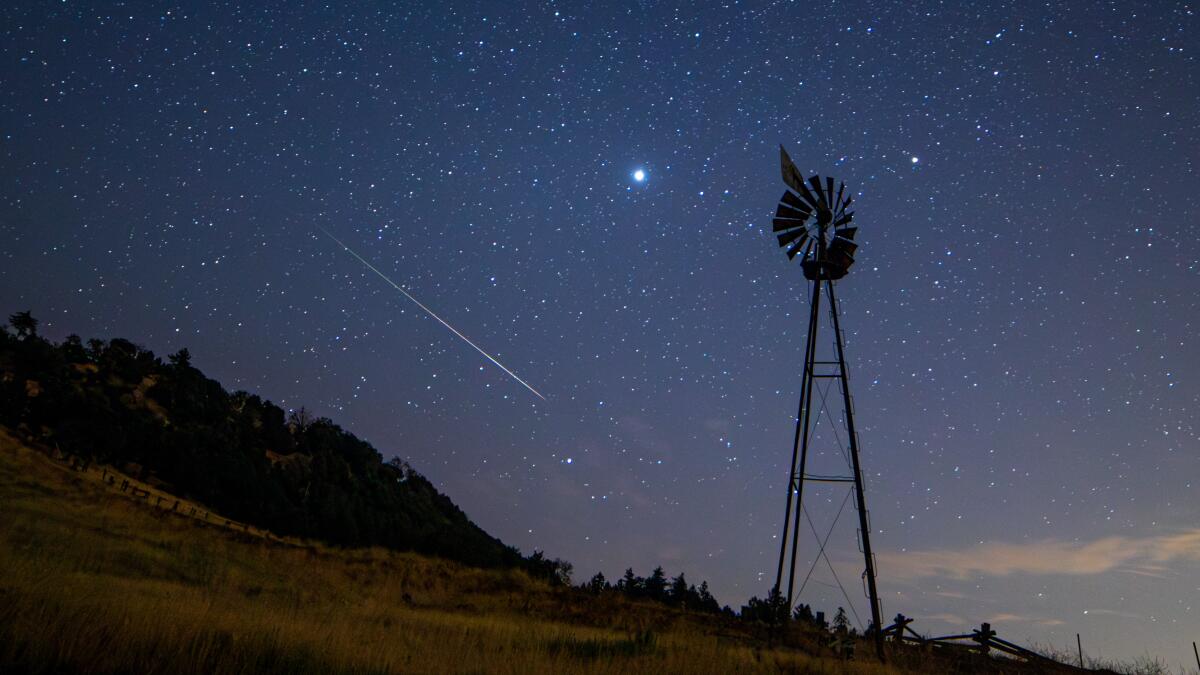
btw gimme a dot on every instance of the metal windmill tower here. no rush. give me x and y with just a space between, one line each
812 223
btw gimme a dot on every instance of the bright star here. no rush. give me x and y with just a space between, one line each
915 160
639 175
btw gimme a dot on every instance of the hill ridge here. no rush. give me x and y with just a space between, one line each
167 424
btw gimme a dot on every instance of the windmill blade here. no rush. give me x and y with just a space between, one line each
844 220
788 237
829 191
791 254
785 211
791 175
849 200
781 224
809 197
815 181
841 247
837 204
848 233
794 202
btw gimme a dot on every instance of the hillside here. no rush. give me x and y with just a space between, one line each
166 423
93 580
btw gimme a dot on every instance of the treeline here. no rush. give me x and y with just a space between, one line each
116 402
676 592
771 610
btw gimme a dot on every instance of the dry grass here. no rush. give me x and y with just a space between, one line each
92 581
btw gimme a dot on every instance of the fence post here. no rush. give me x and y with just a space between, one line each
1079 644
984 637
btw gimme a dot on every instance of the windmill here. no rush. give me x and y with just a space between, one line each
812 223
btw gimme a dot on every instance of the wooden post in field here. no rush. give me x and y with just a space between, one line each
984 637
1197 653
1079 644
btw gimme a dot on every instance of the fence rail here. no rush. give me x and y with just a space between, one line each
145 493
981 640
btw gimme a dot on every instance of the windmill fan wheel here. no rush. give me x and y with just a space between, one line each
812 222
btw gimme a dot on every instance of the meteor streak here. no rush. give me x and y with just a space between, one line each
430 312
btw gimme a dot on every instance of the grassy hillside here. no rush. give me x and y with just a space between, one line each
92 580
166 423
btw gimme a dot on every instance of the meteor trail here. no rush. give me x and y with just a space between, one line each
430 312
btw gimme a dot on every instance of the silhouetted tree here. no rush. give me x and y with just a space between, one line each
772 610
631 584
556 571
656 585
707 601
598 584
803 613
678 592
841 622
299 420
73 350
181 358
24 324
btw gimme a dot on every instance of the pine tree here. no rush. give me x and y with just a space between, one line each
678 594
598 584
656 584
841 623
803 614
181 359
631 584
707 601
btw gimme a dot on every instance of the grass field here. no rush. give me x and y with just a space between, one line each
94 581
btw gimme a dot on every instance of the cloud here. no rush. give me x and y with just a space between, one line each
948 618
1140 555
1114 612
1022 619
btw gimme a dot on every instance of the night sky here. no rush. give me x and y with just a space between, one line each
1021 323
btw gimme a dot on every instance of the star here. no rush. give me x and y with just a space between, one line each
639 175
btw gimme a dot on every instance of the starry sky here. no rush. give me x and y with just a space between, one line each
1021 323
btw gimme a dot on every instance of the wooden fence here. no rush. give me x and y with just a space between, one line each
981 640
147 494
